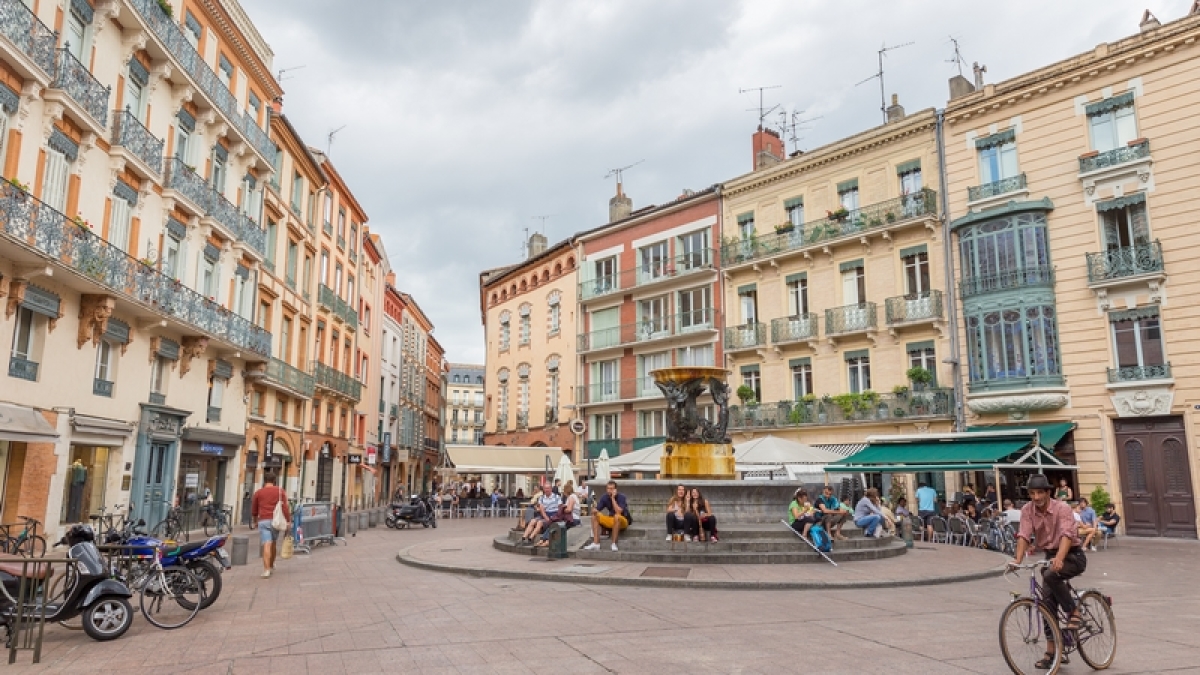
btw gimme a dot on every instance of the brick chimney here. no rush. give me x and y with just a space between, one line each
619 207
768 148
391 279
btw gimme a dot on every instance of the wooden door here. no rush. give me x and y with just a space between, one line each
1156 482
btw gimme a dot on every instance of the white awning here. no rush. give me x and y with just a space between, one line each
21 424
497 459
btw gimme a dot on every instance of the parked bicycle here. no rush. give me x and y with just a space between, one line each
171 527
216 519
1027 628
27 543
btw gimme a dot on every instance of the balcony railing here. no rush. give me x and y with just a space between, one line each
289 377
74 78
502 423
616 390
36 226
328 298
1127 261
334 380
865 219
648 273
394 411
341 242
23 369
745 336
996 188
847 408
850 319
184 180
1114 157
522 421
1139 373
650 328
131 134
914 307
794 328
102 387
978 284
28 33
194 65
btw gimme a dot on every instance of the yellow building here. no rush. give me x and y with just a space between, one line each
1070 190
834 283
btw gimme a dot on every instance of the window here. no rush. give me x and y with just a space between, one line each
751 378
746 226
366 318
648 363
552 390
748 301
183 139
350 296
695 308
802 378
280 410
794 208
505 333
606 275
797 293
848 195
606 427
1137 342
136 79
293 252
997 157
158 375
77 31
192 29
264 315
57 173
1005 253
119 221
691 252
24 361
910 180
341 225
1125 226
208 277
1015 346
700 355
854 285
307 278
353 237
652 318
554 318
526 325
858 366
297 192
1112 123
224 71
916 274
606 385
243 291
218 176
324 271
337 279
216 394
272 243
653 260
652 423
285 339
923 355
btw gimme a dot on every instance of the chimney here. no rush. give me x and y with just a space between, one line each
1149 22
895 111
979 71
619 207
537 245
960 86
768 148
391 279
277 105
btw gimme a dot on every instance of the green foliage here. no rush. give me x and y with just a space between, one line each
900 390
746 394
166 8
1099 499
919 375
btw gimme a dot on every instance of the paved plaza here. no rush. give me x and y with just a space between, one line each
356 609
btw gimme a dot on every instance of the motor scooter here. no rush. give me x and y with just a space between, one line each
88 591
418 510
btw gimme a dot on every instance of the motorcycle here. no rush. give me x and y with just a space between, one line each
196 556
417 510
102 602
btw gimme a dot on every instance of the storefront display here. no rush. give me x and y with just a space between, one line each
83 489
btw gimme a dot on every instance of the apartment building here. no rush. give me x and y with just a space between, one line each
464 403
528 310
435 415
834 283
649 297
135 148
394 456
374 270
1070 196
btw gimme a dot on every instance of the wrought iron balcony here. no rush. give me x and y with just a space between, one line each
551 416
44 230
616 390
23 369
329 299
1138 373
1034 275
102 387
1126 261
648 329
131 134
341 242
1115 157
649 273
850 319
846 408
745 336
74 78
866 219
34 38
336 381
394 412
925 306
996 188
794 328
280 375
184 180
157 398
190 61
328 228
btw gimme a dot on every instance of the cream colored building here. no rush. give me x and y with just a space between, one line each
1070 193
464 404
834 284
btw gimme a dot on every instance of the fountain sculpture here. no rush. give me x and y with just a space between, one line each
696 447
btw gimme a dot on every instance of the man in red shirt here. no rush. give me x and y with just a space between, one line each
1048 524
262 506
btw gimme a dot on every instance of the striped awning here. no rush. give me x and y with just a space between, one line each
843 449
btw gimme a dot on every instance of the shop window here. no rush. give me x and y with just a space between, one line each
83 490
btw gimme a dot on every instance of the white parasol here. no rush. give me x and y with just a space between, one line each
602 471
565 472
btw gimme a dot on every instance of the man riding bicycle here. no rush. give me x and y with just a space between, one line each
1048 525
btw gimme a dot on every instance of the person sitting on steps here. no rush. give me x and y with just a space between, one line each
802 515
547 506
568 513
677 513
868 515
703 524
618 517
832 515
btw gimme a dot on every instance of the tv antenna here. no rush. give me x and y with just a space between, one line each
279 76
790 123
618 172
763 111
329 139
543 220
883 50
957 59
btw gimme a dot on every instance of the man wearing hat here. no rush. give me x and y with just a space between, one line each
1048 525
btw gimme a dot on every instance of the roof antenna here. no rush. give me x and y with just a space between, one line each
541 218
790 123
280 78
618 172
883 96
957 59
329 139
763 111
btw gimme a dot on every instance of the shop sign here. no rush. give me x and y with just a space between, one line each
371 456
191 480
211 448
355 459
387 447
269 445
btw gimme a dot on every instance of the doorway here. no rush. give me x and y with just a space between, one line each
324 478
156 471
1156 481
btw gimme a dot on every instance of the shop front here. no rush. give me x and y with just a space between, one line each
204 461
93 464
26 441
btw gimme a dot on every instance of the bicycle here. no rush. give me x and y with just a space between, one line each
215 519
171 527
1027 625
105 523
169 597
28 543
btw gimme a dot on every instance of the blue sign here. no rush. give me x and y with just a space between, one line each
211 448
387 447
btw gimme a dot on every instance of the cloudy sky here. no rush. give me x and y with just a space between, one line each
465 121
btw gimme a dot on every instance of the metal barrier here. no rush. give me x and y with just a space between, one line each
30 606
314 525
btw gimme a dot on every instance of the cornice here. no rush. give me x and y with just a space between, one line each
237 26
1105 59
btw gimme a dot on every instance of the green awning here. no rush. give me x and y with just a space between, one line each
745 217
794 201
945 455
1050 434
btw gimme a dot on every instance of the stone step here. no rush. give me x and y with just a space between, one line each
740 552
730 545
894 548
739 531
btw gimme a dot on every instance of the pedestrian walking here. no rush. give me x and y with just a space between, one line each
262 505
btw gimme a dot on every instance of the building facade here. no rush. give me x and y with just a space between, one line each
649 298
835 287
1069 192
374 270
464 404
135 147
434 447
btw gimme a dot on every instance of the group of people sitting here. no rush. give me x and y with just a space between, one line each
553 505
690 516
870 513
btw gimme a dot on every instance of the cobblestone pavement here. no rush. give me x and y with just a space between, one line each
355 609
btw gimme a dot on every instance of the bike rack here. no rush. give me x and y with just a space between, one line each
29 616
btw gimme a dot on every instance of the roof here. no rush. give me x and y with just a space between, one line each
304 147
773 450
646 212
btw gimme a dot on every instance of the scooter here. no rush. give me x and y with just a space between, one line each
417 510
89 592
196 556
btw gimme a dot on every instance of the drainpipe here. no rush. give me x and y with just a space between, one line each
955 359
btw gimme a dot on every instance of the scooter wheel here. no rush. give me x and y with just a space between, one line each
434 523
108 618
425 524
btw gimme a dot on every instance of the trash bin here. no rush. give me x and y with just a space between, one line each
364 520
374 516
239 550
558 541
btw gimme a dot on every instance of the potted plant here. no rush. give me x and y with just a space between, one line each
898 412
784 227
920 377
900 391
82 223
745 394
838 215
876 222
890 216
22 189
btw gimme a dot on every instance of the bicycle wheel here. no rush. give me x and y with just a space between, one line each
1023 640
209 524
32 547
1097 635
170 598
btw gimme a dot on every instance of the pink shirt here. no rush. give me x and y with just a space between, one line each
1044 530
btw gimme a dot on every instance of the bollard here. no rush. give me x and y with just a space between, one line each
239 550
558 541
352 524
906 528
373 514
364 520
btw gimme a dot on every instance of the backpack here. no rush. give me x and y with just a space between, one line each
820 539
